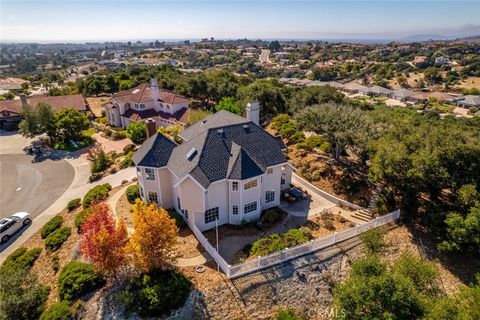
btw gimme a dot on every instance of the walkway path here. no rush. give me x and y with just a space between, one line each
181 262
112 201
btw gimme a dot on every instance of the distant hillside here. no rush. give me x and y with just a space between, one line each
424 37
470 39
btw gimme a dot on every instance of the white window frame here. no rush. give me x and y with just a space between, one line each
269 170
282 180
250 207
250 184
235 210
211 215
235 186
152 194
148 176
269 196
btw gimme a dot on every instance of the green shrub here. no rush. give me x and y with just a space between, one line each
94 177
127 161
178 218
132 193
373 240
280 120
156 293
59 311
73 204
119 135
21 295
55 263
96 194
128 148
55 239
21 259
271 216
50 226
287 314
76 279
277 242
137 132
315 142
297 137
81 217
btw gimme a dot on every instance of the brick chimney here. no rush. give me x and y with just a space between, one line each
23 99
151 127
253 112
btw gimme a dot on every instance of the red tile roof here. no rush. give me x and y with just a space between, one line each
143 93
75 101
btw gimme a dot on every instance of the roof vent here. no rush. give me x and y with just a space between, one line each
203 122
246 128
191 154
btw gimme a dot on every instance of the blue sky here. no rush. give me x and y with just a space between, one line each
131 20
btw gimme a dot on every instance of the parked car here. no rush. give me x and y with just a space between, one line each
9 226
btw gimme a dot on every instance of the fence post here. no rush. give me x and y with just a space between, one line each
334 237
376 222
258 262
356 229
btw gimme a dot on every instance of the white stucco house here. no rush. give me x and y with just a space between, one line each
227 169
144 102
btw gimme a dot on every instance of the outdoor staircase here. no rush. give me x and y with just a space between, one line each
363 215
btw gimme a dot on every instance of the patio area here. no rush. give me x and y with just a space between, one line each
111 145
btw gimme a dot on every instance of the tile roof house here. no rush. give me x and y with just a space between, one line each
146 102
10 110
227 169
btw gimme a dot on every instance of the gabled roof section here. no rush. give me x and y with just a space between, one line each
219 119
143 93
243 167
154 152
237 151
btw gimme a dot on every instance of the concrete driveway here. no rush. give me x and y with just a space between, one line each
31 187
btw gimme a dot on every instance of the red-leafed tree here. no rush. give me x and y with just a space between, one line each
103 242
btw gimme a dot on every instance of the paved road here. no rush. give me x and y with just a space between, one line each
31 187
46 186
264 56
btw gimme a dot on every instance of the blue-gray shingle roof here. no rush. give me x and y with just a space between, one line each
235 151
154 152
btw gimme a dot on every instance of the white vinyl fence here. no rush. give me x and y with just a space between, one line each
290 253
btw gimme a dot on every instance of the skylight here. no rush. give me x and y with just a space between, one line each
191 154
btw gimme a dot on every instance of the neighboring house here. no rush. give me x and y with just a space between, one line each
378 91
146 102
468 101
12 83
404 95
419 59
10 110
442 60
353 87
227 169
